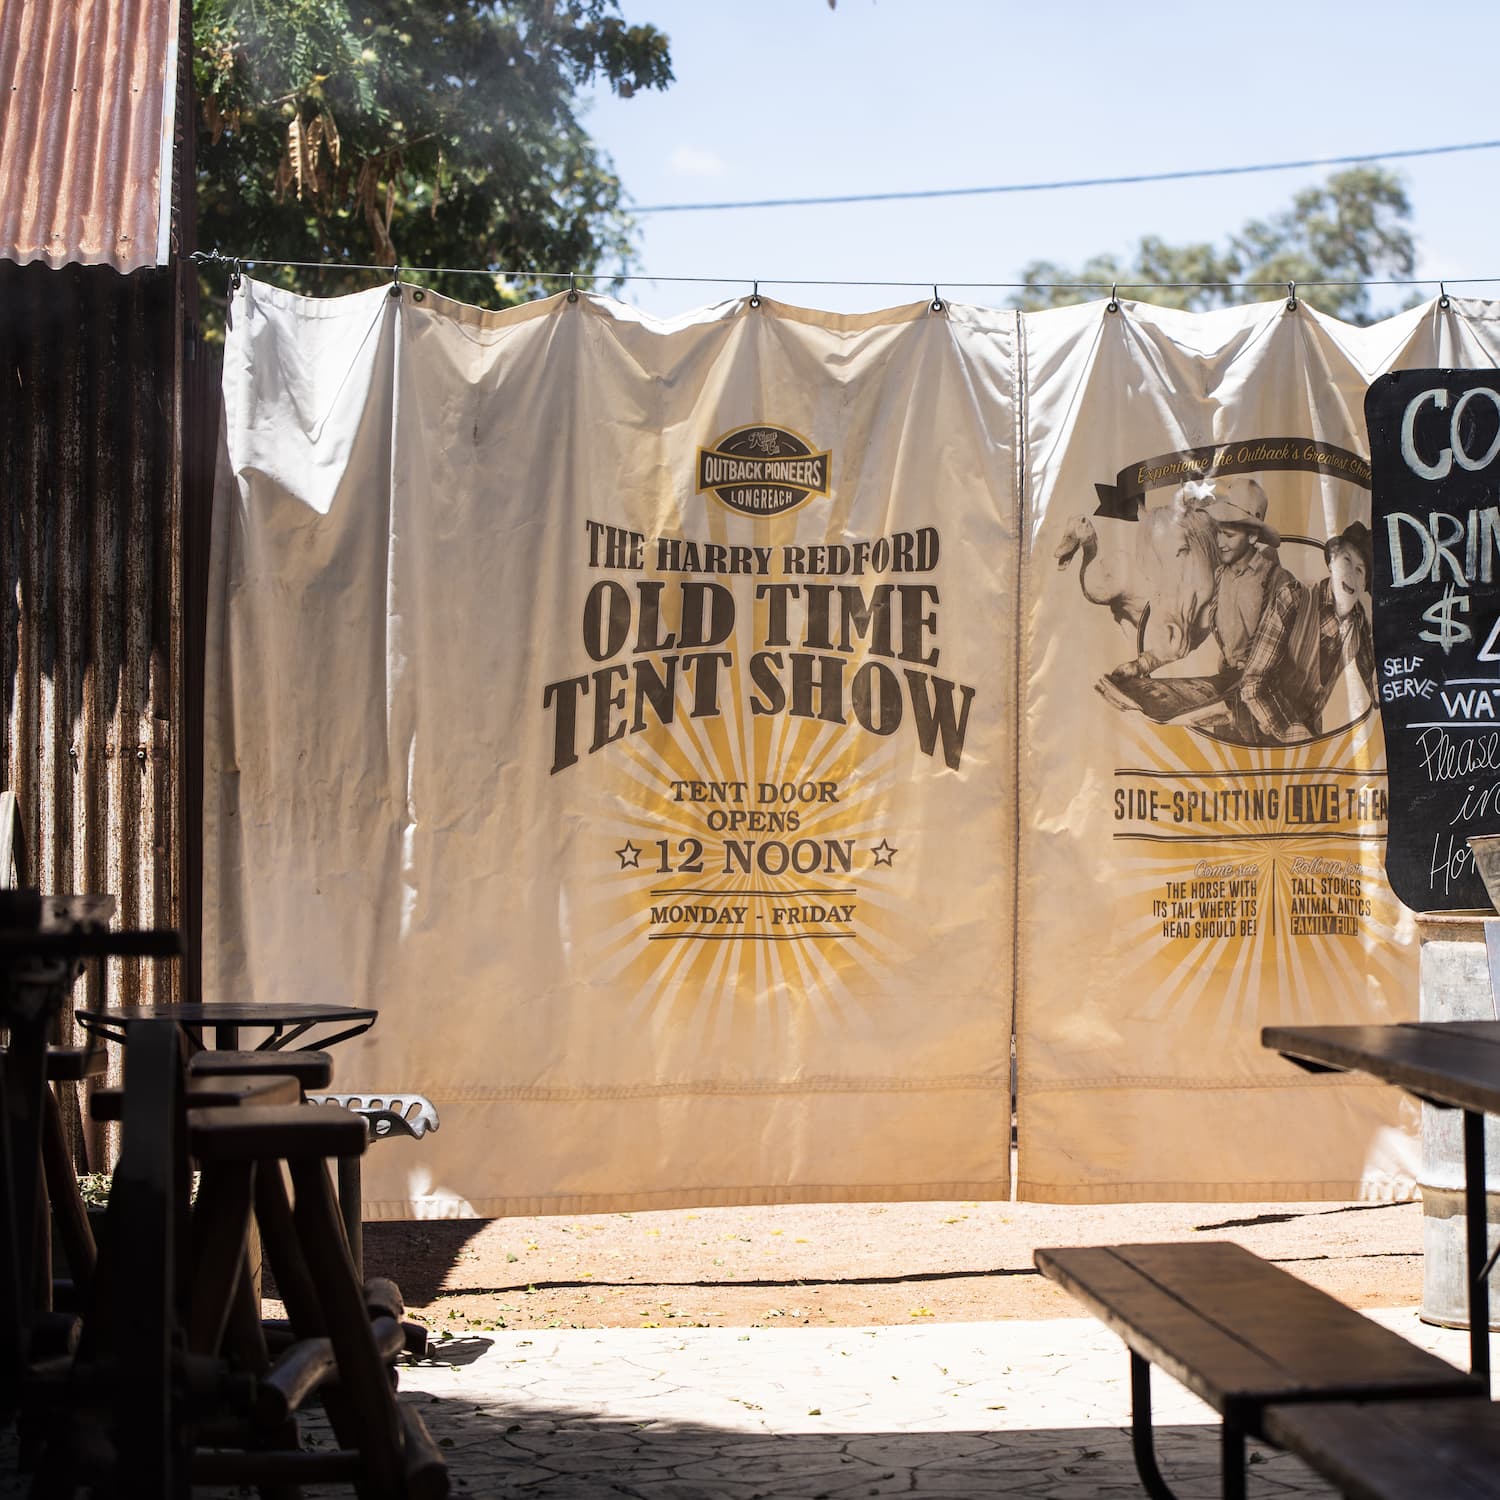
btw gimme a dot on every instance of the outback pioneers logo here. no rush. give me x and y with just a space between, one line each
762 471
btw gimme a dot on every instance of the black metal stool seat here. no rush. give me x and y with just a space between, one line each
389 1115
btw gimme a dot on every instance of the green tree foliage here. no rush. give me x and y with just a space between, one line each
1351 229
414 132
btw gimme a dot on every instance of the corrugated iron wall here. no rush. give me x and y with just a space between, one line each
108 417
91 631
87 86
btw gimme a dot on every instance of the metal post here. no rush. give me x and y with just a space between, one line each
1476 1226
1141 1439
1232 1461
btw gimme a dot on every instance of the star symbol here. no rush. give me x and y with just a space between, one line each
630 856
886 857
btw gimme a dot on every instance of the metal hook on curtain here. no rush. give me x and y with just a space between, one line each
1113 305
395 281
1444 301
1291 296
755 294
938 305
572 286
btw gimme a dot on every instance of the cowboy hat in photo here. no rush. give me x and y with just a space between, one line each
1240 501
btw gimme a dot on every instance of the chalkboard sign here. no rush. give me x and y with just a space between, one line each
1435 453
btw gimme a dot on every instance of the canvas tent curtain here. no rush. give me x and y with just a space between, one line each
1187 876
684 734
659 818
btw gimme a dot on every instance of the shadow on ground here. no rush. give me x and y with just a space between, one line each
495 1451
1293 1216
418 1254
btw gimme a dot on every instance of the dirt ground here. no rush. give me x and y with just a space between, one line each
848 1264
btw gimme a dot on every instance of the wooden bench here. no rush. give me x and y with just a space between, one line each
1396 1450
1243 1335
214 1092
312 1070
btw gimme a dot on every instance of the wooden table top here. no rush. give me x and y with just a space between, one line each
1456 1063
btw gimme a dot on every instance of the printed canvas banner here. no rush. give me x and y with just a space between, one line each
626 711
1203 781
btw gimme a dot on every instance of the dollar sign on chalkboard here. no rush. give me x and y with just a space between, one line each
1450 632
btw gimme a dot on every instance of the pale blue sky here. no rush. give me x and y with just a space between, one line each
787 98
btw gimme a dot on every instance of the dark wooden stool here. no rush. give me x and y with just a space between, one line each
68 1215
54 1318
346 1335
60 1204
174 1382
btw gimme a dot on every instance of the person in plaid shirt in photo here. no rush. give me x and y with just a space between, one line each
1254 600
1283 645
1304 641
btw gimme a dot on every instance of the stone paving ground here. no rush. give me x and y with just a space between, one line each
1019 1396
1017 1408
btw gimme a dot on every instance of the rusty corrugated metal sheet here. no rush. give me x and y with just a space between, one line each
90 620
89 92
100 385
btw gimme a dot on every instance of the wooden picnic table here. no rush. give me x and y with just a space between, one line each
1449 1064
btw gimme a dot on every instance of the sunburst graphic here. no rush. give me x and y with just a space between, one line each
758 902
1246 910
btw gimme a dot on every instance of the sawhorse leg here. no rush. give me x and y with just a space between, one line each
351 1210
